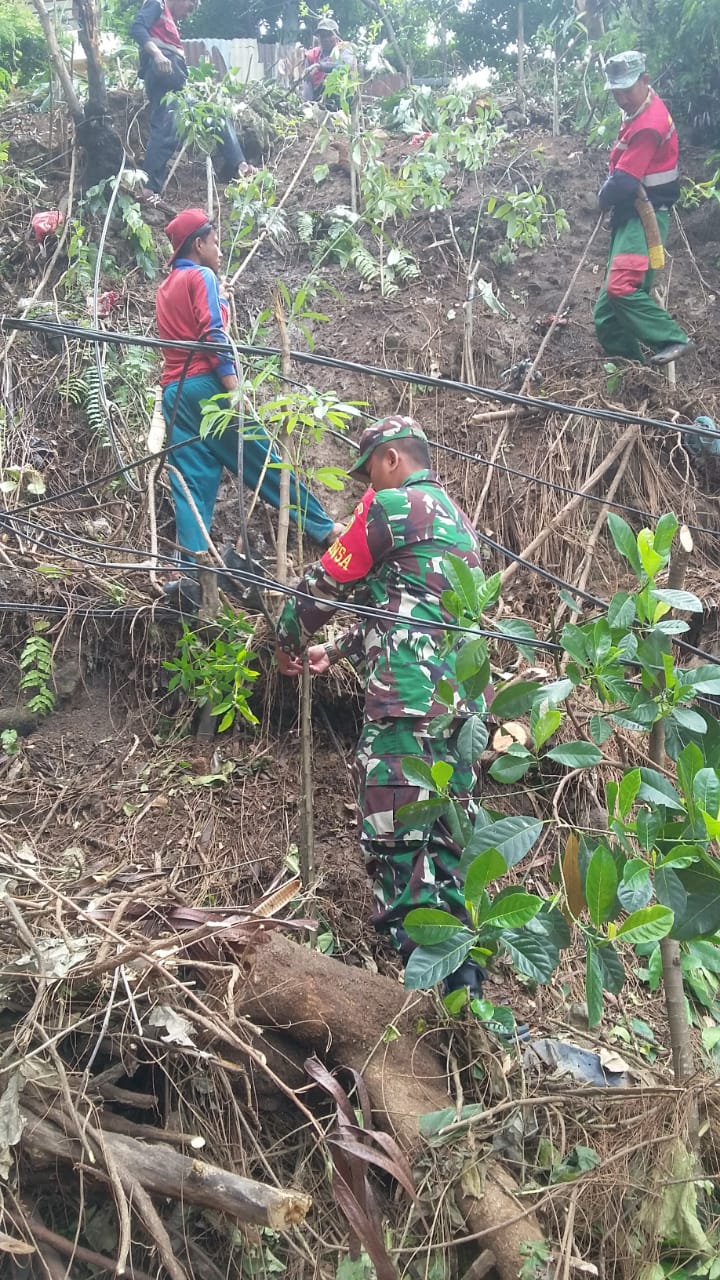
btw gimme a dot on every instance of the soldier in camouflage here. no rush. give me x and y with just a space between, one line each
391 557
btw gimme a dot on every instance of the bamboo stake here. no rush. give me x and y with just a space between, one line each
307 843
599 523
283 450
570 506
682 1054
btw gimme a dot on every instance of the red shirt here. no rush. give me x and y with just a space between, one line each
189 307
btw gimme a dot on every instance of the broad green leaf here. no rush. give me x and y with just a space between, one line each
433 1122
576 755
706 791
650 924
512 766
429 965
706 954
689 762
600 729
441 773
421 814
455 1001
700 917
515 628
472 739
611 967
627 792
670 892
689 719
460 577
512 911
624 539
512 837
531 955
472 661
514 699
682 855
593 986
429 925
488 866
704 679
418 773
652 562
552 694
544 727
684 600
621 611
647 826
665 530
656 790
601 882
635 889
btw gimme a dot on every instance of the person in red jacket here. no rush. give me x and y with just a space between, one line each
191 308
643 161
164 70
329 53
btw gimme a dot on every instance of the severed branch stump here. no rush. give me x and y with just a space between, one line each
162 1170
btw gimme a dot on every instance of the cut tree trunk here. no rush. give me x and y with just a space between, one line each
341 1014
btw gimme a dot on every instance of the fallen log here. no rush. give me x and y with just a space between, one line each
342 1014
162 1170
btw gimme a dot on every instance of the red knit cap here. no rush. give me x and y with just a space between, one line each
183 225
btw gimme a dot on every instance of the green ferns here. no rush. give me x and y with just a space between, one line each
36 667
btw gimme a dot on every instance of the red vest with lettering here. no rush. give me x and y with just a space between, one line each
663 168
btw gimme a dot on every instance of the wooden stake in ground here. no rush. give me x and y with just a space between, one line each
678 1024
284 510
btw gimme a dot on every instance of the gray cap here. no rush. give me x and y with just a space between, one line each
328 24
624 69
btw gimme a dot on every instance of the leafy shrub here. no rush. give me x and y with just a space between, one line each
23 51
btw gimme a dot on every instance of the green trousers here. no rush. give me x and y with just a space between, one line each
412 864
625 314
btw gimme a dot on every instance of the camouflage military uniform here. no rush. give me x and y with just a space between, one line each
391 558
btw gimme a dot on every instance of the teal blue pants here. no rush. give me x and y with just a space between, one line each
201 466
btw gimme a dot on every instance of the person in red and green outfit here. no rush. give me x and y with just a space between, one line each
643 161
190 307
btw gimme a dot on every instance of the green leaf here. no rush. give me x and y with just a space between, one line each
625 541
531 955
430 925
577 755
441 773
689 719
621 611
601 883
700 916
600 729
514 699
656 790
706 791
635 889
555 692
472 739
488 866
472 661
684 600
512 837
511 911
516 627
455 1001
704 679
545 726
421 814
650 924
512 766
665 530
627 793
652 562
320 173
593 986
611 966
460 577
418 773
429 965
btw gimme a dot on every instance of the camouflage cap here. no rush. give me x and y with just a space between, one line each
384 432
624 69
328 24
